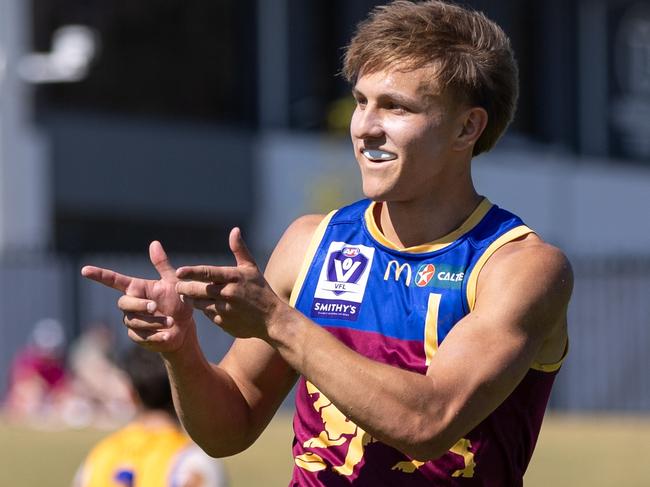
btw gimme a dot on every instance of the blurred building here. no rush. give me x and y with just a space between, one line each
190 117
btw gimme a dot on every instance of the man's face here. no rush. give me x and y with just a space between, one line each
403 135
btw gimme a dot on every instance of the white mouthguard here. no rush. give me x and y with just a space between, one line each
378 155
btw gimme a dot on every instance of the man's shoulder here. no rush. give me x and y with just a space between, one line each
286 260
527 285
304 226
296 239
532 249
532 271
299 241
530 255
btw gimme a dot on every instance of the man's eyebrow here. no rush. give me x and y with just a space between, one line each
398 97
391 95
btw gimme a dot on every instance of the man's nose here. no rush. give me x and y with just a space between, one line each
366 123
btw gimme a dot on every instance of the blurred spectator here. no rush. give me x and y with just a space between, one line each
152 449
38 382
92 391
102 395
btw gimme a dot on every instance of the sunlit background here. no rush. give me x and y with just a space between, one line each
124 121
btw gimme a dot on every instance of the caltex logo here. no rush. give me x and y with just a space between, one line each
425 274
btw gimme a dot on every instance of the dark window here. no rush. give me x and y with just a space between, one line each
177 58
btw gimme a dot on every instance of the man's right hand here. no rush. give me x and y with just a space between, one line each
156 317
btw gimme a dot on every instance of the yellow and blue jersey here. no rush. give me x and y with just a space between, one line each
136 456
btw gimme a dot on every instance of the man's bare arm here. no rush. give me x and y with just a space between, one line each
521 303
226 406
253 378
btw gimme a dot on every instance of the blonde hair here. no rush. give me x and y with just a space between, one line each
471 56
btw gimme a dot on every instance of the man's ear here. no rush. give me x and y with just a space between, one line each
472 124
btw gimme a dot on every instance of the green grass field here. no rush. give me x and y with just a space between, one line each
573 451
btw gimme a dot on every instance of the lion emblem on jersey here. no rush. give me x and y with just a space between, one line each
337 431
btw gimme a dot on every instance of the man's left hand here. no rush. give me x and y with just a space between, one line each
238 299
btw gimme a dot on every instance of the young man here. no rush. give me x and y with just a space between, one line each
152 450
428 323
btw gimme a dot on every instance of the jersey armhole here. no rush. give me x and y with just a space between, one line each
472 280
309 257
554 366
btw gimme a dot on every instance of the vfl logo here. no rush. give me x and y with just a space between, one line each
342 281
345 268
425 274
398 271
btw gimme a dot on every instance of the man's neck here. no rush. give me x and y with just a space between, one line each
412 223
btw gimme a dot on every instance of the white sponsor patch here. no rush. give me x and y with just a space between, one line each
345 272
342 281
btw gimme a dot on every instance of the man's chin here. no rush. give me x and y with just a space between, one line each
377 194
373 192
374 196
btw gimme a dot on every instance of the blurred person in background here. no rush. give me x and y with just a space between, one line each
152 450
87 389
102 393
39 384
429 323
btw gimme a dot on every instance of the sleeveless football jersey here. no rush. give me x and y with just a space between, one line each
142 456
396 306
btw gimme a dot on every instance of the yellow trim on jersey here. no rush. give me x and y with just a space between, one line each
309 257
552 367
431 327
473 220
507 237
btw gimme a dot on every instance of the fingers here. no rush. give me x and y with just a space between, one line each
148 337
239 248
198 289
160 261
207 273
216 307
107 277
220 275
146 323
212 309
130 304
139 315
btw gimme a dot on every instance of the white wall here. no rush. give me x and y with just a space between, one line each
300 174
586 206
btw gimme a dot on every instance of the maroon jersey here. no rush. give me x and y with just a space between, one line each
396 306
